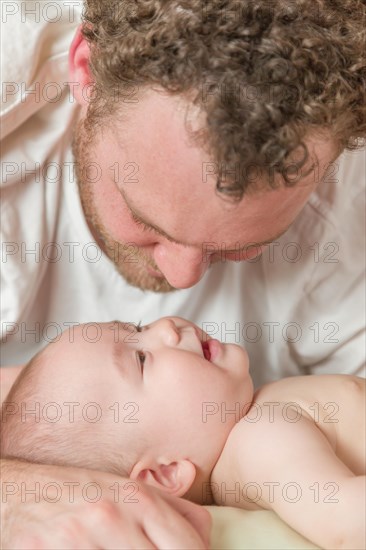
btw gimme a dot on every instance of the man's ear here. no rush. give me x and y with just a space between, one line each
175 478
79 72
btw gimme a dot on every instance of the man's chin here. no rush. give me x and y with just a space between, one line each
137 275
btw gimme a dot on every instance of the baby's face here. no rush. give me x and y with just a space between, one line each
167 384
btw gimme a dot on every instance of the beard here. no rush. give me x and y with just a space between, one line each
129 260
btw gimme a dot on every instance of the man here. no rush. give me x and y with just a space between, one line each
201 134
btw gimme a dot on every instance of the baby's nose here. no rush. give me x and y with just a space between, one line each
169 331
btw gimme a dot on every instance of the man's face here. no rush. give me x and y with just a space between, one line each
149 196
168 385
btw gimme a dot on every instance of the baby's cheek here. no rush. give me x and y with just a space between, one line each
219 417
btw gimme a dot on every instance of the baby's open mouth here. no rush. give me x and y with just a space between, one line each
206 351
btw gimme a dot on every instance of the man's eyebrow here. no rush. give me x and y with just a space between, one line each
139 218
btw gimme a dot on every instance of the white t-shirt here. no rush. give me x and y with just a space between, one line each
298 309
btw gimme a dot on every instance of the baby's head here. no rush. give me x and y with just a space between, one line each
155 403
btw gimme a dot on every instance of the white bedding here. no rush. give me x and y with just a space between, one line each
235 529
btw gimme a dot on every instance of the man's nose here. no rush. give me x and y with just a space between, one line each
182 266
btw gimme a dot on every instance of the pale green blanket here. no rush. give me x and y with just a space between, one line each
235 529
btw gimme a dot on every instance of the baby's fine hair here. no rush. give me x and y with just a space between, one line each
30 435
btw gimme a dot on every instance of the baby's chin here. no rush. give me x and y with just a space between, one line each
236 361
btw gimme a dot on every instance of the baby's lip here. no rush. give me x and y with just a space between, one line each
215 347
211 348
206 350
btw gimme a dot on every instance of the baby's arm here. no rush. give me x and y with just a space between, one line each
301 479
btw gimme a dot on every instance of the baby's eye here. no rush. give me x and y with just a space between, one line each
141 357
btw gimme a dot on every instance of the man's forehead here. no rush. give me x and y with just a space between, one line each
174 188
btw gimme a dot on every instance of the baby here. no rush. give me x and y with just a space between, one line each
168 405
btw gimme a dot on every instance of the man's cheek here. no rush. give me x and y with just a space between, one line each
115 218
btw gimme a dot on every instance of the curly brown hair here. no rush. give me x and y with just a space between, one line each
265 73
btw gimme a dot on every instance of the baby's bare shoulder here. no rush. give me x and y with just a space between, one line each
287 413
307 390
287 406
256 448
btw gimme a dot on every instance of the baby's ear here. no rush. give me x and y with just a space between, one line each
175 478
